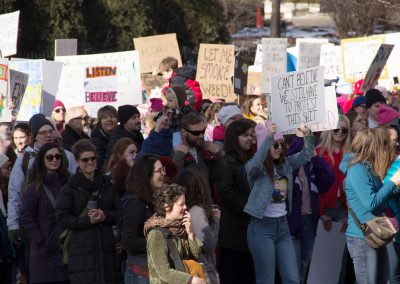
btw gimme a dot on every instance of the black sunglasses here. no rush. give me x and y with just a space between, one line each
277 144
57 110
51 157
344 130
86 160
196 132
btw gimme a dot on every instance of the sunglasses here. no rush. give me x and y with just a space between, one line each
344 130
56 157
277 144
58 110
196 132
86 118
86 160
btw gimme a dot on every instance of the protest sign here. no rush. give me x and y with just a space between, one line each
4 75
9 33
254 83
64 47
308 55
153 49
311 40
240 77
258 58
394 59
17 85
98 79
151 82
274 60
331 58
297 98
215 67
376 68
358 54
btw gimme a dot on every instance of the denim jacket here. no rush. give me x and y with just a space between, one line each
260 182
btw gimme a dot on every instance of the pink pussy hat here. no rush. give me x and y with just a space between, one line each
262 131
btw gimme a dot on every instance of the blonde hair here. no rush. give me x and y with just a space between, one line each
373 146
326 140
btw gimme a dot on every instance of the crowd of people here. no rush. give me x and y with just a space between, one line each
103 200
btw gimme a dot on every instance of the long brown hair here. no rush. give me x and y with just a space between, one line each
117 152
270 162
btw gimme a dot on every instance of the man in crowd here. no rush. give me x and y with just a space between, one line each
374 99
76 128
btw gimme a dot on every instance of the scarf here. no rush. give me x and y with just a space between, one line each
174 226
86 183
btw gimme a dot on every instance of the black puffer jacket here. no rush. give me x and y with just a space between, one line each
120 132
100 139
92 256
70 137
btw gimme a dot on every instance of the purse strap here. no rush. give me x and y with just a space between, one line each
50 196
361 226
173 250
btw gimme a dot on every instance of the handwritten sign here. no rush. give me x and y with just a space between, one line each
297 98
17 86
3 89
254 83
9 33
67 46
308 55
215 68
274 60
240 78
377 65
331 58
98 79
153 49
357 55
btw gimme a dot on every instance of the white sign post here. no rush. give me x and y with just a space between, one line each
274 60
9 33
297 98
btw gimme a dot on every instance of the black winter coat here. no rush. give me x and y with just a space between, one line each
70 137
233 191
92 255
120 132
100 139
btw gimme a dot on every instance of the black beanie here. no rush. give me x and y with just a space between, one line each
37 121
374 96
180 95
125 112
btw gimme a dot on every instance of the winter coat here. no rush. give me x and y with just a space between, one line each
70 137
234 192
39 221
159 143
120 132
100 139
92 255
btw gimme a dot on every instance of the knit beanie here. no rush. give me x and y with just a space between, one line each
125 112
226 112
374 96
262 131
361 100
386 114
156 104
58 103
37 121
179 93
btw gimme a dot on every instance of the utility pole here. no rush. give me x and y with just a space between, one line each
276 18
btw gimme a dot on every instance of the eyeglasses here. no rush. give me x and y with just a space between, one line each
45 132
344 130
58 110
196 132
51 157
277 144
160 170
86 118
86 160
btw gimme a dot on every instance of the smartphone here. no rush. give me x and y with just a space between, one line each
92 204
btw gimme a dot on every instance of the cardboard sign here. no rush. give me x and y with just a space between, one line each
274 60
331 58
65 47
377 65
215 67
9 33
297 98
308 55
151 82
95 80
240 77
254 83
153 49
357 55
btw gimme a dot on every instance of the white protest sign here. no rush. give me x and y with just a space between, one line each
17 85
66 46
258 58
98 79
331 58
3 89
376 68
394 59
311 40
9 33
297 98
274 60
358 54
308 55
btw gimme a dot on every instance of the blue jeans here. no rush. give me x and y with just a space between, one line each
394 255
370 265
269 241
304 246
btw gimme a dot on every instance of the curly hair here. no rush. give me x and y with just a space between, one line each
167 196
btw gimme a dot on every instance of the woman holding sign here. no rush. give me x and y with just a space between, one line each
270 175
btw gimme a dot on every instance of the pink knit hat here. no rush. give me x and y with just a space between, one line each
262 131
386 114
58 103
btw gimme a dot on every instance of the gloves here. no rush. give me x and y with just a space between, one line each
14 235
